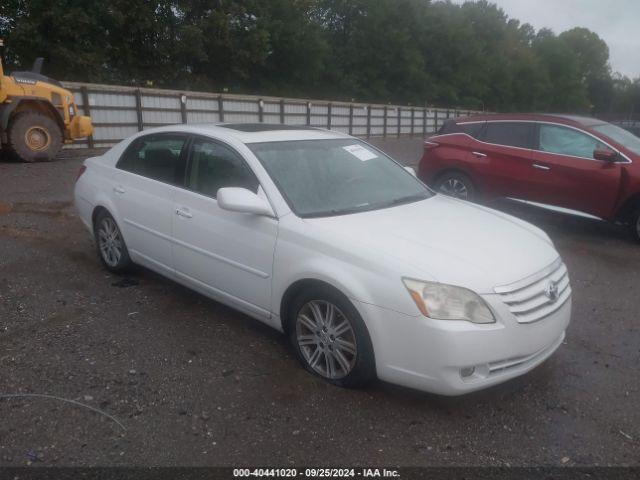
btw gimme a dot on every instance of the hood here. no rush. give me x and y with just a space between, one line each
447 240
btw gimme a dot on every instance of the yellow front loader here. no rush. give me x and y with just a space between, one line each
37 115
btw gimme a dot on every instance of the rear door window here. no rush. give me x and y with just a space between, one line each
567 141
155 156
510 134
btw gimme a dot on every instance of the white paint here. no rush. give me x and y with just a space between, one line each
248 261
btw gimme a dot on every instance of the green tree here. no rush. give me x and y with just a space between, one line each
592 56
410 51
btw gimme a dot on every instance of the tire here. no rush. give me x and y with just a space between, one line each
634 226
110 245
33 137
455 184
339 353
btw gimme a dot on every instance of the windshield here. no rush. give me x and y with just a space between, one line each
621 136
334 177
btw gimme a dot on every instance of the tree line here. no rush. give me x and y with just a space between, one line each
403 51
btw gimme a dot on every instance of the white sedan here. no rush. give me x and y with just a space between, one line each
326 238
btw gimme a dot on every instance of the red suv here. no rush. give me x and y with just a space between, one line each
572 164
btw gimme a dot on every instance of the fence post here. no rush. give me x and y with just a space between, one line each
87 110
435 120
220 108
424 121
413 116
329 116
399 110
183 108
261 110
368 121
282 111
308 113
351 119
384 123
139 109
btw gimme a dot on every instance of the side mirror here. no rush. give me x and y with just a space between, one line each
241 200
605 154
411 170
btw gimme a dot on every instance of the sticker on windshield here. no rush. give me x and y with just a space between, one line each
360 152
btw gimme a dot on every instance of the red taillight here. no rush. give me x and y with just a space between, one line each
83 168
429 144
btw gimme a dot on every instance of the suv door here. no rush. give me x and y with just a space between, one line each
566 174
225 255
144 185
503 158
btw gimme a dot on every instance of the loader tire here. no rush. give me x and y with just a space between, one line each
34 137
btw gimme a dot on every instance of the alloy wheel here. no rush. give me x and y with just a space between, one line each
454 188
326 339
110 242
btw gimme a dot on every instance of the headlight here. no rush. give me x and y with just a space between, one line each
446 302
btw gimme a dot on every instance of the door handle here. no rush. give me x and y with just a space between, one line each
540 167
183 213
118 189
479 154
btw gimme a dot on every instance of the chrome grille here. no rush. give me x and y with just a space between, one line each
527 299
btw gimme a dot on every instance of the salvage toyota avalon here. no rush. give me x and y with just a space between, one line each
329 240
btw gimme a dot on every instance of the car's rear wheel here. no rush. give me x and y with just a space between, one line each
455 184
330 338
110 244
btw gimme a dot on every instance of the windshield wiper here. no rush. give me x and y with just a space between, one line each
341 211
408 199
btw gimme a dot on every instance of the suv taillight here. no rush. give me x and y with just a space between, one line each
83 168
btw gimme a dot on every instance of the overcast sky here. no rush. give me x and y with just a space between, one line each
617 22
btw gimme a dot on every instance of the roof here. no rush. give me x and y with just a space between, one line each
256 132
573 120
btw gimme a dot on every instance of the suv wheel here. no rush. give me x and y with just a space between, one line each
330 338
455 184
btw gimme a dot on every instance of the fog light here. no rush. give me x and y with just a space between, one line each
467 372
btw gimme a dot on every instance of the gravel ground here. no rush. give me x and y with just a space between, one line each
188 381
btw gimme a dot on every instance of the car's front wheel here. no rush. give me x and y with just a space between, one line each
330 338
110 244
455 184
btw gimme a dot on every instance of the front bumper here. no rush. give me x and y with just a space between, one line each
433 355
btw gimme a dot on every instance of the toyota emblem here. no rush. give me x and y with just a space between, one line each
551 291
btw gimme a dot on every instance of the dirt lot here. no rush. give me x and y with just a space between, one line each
192 382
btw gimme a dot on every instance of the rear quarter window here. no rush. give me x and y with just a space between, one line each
472 129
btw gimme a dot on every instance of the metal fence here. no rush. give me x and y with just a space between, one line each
118 112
